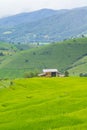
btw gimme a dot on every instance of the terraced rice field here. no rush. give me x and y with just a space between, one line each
43 104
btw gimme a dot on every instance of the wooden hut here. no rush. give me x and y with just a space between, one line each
49 73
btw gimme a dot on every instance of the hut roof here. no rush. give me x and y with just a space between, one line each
50 70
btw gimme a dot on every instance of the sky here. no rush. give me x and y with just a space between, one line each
11 7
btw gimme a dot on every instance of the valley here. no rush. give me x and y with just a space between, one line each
33 99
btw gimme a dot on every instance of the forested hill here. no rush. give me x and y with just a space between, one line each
44 25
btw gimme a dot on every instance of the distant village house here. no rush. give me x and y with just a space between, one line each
50 73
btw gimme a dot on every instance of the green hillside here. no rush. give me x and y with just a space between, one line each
79 67
43 104
6 50
57 55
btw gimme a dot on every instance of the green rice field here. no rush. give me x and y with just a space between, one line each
43 104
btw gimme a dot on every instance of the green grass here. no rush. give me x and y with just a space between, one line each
57 55
43 104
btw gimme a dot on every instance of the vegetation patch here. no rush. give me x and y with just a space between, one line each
44 104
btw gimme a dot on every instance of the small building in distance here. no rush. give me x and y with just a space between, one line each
50 73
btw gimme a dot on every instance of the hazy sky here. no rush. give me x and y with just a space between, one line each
9 7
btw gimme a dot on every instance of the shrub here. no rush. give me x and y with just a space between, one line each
1 54
30 74
83 74
26 60
66 74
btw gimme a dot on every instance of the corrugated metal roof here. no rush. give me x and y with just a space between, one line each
50 70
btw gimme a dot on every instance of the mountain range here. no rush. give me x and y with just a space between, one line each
45 25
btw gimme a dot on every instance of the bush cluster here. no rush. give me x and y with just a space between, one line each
83 74
30 74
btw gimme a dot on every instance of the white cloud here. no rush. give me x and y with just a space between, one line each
9 7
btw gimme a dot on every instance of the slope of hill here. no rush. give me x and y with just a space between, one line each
7 49
44 25
79 67
43 104
57 55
